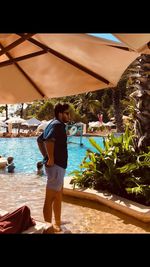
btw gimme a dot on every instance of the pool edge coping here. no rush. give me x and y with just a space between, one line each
131 208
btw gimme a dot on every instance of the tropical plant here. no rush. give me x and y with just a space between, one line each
117 168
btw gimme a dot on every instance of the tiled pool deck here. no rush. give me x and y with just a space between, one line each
83 211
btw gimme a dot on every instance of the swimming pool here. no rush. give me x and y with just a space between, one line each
26 153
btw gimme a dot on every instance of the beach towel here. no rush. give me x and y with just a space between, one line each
16 221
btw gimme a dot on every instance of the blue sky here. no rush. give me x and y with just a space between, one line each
108 36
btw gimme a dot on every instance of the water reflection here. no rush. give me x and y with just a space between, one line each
79 216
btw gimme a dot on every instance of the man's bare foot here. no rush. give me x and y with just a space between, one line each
49 229
56 228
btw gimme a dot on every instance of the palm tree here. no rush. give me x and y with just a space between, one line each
86 104
142 102
117 109
118 97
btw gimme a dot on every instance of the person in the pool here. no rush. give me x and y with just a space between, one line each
10 164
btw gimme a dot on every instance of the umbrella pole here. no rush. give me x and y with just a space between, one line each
81 134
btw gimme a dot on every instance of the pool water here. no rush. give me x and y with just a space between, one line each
26 153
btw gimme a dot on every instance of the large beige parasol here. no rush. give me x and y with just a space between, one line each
136 41
36 66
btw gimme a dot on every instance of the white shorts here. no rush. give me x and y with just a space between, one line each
55 177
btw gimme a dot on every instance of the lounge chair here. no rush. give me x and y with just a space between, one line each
38 228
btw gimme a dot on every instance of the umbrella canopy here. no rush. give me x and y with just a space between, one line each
3 124
37 66
15 120
2 118
95 124
138 42
31 122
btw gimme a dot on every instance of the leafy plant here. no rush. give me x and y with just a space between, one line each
118 168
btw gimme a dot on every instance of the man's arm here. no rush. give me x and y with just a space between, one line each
41 145
49 145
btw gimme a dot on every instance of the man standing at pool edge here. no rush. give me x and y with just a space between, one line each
53 146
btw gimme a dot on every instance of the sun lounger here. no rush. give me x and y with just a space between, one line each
39 228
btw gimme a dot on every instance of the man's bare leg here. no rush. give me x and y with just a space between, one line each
57 209
47 208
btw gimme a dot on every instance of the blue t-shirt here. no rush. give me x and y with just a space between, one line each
56 131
